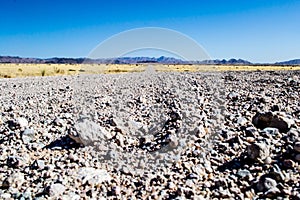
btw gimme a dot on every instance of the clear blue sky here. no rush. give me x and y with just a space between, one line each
256 30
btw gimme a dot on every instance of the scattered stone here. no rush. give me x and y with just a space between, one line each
59 122
18 123
124 150
171 186
272 193
55 190
265 184
233 96
271 131
14 161
268 160
116 190
241 121
297 147
200 131
5 196
244 173
14 180
269 183
22 122
28 136
173 141
258 151
297 157
67 115
250 139
276 173
275 108
38 164
250 131
289 164
93 176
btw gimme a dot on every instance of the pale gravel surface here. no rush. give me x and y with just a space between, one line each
151 135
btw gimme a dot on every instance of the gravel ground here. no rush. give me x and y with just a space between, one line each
231 135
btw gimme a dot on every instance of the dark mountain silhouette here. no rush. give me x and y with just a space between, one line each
290 62
226 62
135 60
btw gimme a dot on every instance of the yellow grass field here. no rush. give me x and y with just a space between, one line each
24 70
195 68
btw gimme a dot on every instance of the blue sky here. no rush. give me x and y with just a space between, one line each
257 30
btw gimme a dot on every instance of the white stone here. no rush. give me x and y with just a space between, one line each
22 122
92 175
90 133
56 189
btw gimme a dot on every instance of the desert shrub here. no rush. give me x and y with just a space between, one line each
43 72
56 70
7 76
20 70
72 70
117 70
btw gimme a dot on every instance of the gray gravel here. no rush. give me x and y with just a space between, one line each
231 135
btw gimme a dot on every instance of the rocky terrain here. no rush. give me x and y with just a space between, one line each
231 135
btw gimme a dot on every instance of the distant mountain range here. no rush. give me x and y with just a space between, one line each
135 60
290 62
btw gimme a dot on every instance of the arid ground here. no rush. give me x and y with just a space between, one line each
156 134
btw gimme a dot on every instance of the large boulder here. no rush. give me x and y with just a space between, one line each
273 119
89 133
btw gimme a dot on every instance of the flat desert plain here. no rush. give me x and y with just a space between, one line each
13 70
194 133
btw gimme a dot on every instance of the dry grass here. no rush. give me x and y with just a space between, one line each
196 68
11 70
111 68
255 68
23 70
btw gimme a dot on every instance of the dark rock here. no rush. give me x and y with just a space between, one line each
297 147
250 131
265 184
272 193
275 108
276 173
13 161
288 164
258 151
269 119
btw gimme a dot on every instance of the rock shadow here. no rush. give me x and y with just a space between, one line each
64 142
236 163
